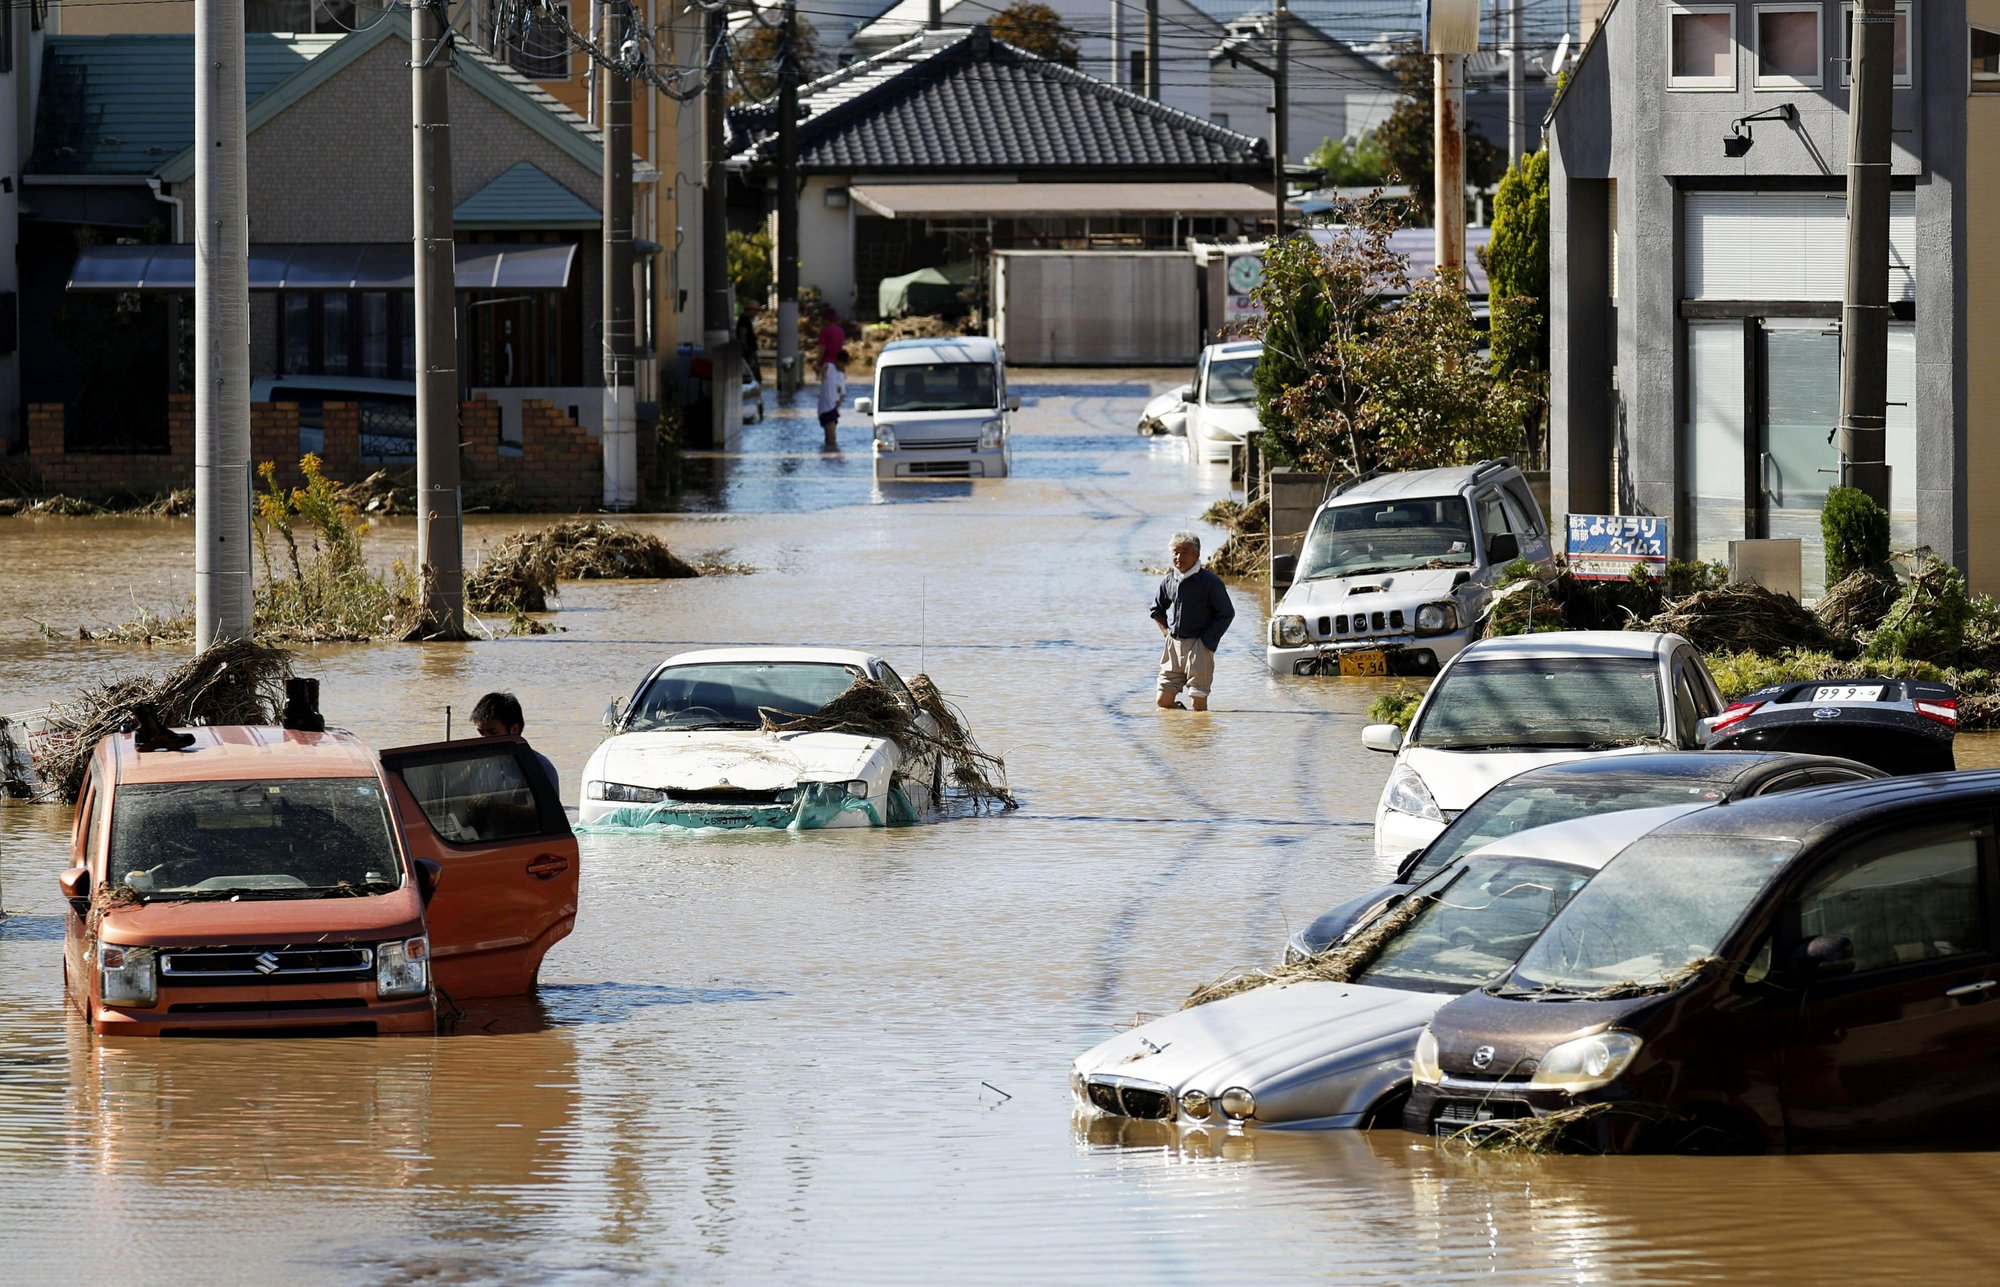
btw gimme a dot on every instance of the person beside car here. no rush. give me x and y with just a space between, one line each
499 715
1193 611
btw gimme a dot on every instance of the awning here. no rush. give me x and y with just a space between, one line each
326 266
1029 200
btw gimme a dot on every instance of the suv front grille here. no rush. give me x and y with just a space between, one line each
233 966
1363 623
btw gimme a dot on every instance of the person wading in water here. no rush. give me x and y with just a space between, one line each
1192 610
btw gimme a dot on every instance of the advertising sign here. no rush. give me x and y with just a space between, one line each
1606 547
1242 274
1451 26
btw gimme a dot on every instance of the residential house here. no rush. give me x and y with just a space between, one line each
1698 184
953 144
21 35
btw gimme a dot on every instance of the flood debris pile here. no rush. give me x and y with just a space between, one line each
1338 964
1247 551
235 682
868 709
1744 618
520 573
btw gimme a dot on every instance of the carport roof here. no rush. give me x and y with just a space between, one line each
1030 200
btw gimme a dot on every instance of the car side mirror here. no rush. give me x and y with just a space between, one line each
612 714
864 406
1283 568
1503 547
75 884
1386 738
1013 402
1175 423
429 873
1702 728
1185 392
1408 865
1824 956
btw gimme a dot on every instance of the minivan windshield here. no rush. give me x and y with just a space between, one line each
1543 704
1231 382
731 694
1389 536
1475 923
936 386
1508 809
1660 907
288 838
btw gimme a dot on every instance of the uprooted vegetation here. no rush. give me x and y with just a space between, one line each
1338 964
520 573
1246 554
869 709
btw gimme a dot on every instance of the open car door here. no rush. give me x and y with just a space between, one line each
486 813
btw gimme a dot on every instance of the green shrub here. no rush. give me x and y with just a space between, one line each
1928 623
1398 707
1856 530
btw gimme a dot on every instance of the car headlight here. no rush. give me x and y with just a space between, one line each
1288 632
1408 794
1196 1104
403 968
1424 1070
1237 1103
621 792
126 975
885 436
1078 1088
856 787
990 434
1586 1063
1436 618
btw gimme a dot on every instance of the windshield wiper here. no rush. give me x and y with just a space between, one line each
720 723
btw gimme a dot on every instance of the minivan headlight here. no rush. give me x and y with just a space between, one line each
990 434
1288 632
1407 793
885 436
127 975
1436 618
1424 1069
1587 1063
403 968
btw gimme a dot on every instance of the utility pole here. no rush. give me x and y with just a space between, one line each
222 591
788 203
620 435
1864 349
718 328
1517 87
440 536
1281 94
1153 50
935 19
1448 151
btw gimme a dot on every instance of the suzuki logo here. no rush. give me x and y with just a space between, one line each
266 963
1482 1057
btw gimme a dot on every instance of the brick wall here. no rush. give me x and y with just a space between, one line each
95 475
561 467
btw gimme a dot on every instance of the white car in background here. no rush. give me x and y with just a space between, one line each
690 748
1218 409
1509 704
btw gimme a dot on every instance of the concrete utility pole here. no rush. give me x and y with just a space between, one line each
1448 152
223 597
788 203
440 536
718 328
1120 72
1153 50
1517 87
620 436
1281 97
935 19
1864 349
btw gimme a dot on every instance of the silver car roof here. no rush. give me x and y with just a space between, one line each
1585 842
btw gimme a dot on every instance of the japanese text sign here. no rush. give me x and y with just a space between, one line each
1606 547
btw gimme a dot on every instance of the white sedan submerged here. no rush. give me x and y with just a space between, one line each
691 748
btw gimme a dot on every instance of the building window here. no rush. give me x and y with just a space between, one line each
538 47
1789 52
1220 118
1985 61
1703 47
1905 76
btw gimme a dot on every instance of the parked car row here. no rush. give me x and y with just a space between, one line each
1646 944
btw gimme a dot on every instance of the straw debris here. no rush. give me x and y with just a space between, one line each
869 709
1858 601
520 573
1246 554
1338 964
1745 618
236 682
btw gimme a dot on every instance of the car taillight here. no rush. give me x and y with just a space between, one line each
1943 712
1731 714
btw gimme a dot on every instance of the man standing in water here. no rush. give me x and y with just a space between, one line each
1192 610
499 715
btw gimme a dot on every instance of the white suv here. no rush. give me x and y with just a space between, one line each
1397 570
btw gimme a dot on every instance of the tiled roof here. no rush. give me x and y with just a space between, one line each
959 100
525 197
125 104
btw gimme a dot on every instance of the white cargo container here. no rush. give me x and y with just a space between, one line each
1096 307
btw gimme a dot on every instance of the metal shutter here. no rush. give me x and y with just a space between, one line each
1785 245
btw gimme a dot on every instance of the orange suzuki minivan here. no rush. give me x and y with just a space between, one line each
270 879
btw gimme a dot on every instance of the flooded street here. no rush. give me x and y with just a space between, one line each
842 1056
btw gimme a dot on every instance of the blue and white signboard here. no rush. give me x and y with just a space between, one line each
1606 547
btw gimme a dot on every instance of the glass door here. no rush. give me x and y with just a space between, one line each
1799 461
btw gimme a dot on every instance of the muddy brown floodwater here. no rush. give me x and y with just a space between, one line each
843 1056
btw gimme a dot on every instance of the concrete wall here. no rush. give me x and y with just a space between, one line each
124 17
826 241
1981 296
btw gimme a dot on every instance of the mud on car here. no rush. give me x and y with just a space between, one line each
241 878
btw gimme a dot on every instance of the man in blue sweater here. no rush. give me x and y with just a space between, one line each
1192 610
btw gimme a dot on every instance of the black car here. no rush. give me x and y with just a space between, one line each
1897 725
1578 788
1818 968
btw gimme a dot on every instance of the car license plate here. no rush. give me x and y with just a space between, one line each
1364 663
1848 693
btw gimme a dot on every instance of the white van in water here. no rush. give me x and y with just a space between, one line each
941 409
